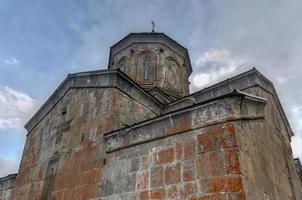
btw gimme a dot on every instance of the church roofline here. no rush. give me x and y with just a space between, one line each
76 80
157 118
248 79
131 131
9 176
164 39
223 82
230 94
7 182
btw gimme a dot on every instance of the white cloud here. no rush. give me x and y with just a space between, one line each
297 118
14 106
297 127
217 57
8 167
200 80
214 65
281 79
11 61
297 147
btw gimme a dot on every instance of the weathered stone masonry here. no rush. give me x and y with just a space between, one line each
134 132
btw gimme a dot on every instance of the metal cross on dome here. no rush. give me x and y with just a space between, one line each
153 26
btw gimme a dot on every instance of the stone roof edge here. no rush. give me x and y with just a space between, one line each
298 166
122 74
158 89
157 118
153 33
262 77
50 98
9 176
298 160
215 85
122 138
81 74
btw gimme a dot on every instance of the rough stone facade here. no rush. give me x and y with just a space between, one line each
7 186
134 132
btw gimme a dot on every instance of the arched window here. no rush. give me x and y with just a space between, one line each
122 63
146 65
172 74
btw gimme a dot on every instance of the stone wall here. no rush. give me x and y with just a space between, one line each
187 154
199 164
63 154
7 184
256 164
266 155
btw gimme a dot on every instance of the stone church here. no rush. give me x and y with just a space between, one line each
134 131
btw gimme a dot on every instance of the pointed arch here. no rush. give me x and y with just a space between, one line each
123 64
173 74
146 67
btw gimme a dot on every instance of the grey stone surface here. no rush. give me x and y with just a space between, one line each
105 187
96 79
7 182
298 167
135 164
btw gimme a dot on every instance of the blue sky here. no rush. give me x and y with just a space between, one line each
42 41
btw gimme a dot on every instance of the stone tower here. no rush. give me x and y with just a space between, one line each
156 62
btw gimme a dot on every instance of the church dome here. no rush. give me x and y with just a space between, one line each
155 61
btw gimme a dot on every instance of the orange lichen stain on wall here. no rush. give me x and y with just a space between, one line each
143 180
216 137
164 155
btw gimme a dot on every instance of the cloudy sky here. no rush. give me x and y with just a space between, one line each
42 41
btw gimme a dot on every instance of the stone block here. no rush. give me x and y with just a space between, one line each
144 195
216 137
232 165
145 161
157 193
172 192
143 180
164 156
210 197
178 151
172 174
189 149
210 165
124 184
88 191
135 165
157 177
221 184
189 189
188 170
105 188
236 196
